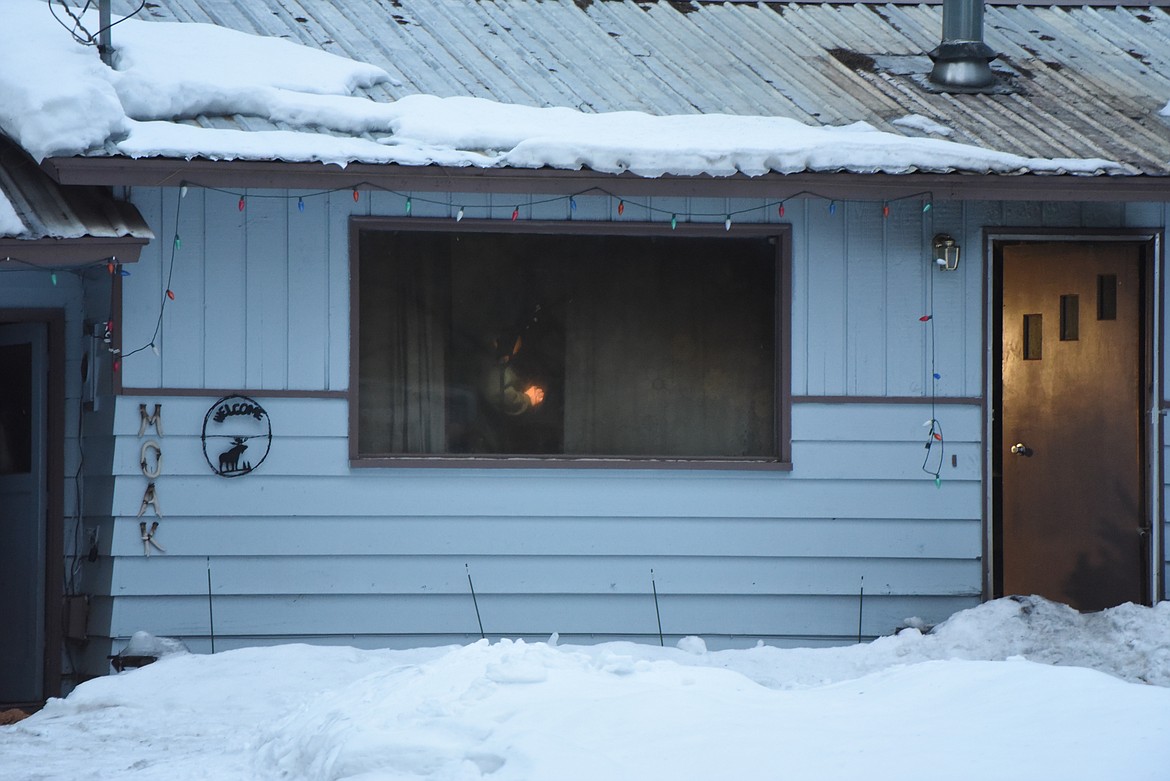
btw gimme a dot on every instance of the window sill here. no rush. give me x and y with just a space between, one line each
568 462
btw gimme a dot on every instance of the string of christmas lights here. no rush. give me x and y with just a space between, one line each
114 268
462 210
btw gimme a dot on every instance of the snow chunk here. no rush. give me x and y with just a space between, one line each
713 144
173 69
693 645
146 644
922 124
55 96
10 222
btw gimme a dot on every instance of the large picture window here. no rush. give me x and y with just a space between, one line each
478 341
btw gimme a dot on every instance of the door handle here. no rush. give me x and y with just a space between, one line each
1020 449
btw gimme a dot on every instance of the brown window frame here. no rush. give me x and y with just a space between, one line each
782 234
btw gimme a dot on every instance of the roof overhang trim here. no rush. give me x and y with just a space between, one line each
70 253
265 174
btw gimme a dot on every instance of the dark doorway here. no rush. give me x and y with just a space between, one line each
1071 522
31 490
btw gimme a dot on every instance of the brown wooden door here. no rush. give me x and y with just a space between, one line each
1071 436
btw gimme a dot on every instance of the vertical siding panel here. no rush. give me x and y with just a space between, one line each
139 301
631 210
268 278
308 295
225 320
476 206
1145 215
978 217
377 202
907 264
592 207
181 347
436 205
1103 214
710 211
671 206
1061 214
546 207
1023 214
748 210
826 300
340 207
500 207
945 299
865 301
795 214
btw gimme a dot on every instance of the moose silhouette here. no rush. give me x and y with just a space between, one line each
229 461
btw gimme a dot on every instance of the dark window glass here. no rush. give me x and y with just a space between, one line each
1107 297
1070 318
505 344
16 409
1033 337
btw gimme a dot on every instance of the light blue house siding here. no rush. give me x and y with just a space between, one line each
308 548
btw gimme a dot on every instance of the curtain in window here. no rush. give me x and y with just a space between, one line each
670 353
403 342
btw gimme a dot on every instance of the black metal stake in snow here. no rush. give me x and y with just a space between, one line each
210 609
860 607
475 602
657 612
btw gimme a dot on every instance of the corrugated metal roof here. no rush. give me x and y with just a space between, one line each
1084 82
51 211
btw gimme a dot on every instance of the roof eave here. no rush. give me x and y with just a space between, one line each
70 253
267 174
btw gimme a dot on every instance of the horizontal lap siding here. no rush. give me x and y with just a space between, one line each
305 547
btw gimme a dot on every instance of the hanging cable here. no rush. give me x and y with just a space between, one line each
77 28
935 444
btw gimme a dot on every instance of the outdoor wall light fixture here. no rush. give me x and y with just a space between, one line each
946 252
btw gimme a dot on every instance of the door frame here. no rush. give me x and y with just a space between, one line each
54 322
1153 409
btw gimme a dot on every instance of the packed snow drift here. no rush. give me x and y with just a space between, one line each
1013 689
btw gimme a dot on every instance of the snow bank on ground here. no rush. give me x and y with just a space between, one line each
56 98
968 700
1130 642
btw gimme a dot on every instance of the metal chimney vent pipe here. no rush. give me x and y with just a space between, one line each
962 60
105 42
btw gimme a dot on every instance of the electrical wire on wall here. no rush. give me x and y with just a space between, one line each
935 445
168 293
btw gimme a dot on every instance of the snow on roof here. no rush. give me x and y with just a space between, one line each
58 99
34 207
10 223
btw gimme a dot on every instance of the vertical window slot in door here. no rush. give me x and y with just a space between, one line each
1070 318
1033 337
1106 296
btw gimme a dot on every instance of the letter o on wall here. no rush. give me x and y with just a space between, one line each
147 446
